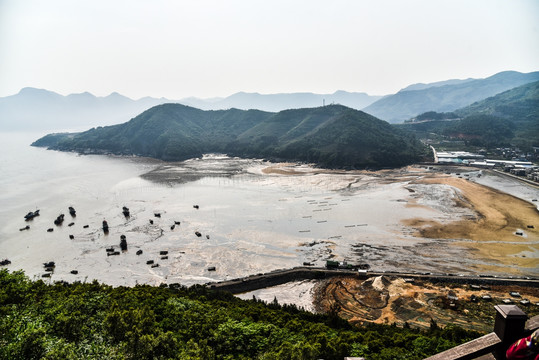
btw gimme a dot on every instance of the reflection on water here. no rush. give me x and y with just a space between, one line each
249 222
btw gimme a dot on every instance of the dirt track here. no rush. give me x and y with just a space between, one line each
390 300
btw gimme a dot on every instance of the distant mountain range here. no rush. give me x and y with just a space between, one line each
331 136
43 110
279 102
445 96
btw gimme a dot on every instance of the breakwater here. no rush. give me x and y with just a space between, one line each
278 277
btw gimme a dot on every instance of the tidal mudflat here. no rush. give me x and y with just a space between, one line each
252 217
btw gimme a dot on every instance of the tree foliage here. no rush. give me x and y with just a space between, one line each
95 321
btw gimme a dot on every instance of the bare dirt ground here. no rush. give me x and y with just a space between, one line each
388 300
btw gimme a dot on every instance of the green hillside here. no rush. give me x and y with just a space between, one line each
519 106
95 321
511 117
331 136
408 103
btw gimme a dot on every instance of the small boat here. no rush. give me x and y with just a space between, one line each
59 220
123 243
31 215
5 262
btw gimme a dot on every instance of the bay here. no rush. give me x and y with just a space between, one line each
250 220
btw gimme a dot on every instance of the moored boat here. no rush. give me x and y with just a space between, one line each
31 215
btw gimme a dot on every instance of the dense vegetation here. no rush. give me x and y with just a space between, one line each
331 136
90 321
519 106
507 118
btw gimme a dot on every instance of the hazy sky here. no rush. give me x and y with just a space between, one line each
204 48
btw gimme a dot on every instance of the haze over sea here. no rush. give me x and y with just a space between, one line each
250 221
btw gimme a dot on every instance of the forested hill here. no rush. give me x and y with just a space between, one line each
450 96
507 118
330 136
520 104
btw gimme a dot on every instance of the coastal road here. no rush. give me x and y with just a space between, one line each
260 281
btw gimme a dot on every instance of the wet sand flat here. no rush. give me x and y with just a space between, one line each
505 228
253 217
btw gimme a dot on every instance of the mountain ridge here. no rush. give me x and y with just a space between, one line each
331 136
45 110
449 97
506 118
282 101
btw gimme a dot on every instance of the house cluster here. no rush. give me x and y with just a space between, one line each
518 166
531 173
515 154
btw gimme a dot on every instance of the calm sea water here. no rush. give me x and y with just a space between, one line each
249 222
